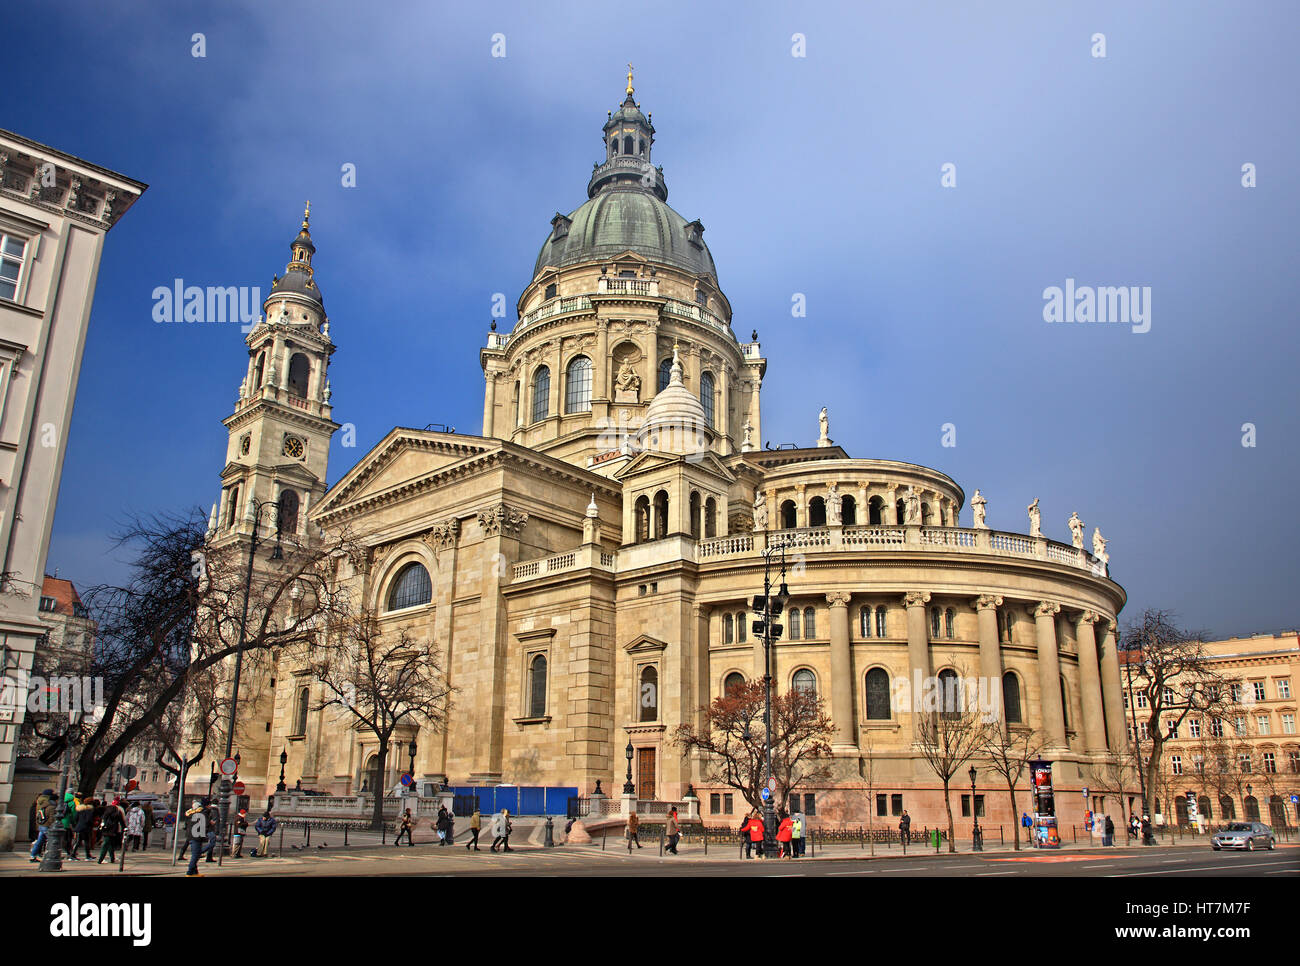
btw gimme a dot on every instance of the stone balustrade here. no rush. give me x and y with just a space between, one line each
627 286
556 306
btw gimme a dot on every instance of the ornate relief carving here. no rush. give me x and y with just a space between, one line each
501 519
916 598
1089 617
443 534
1047 608
988 602
838 599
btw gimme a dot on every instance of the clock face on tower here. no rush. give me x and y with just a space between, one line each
293 447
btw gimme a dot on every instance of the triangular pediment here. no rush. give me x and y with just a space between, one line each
650 461
645 643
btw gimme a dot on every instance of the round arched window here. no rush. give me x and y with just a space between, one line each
411 587
733 680
805 681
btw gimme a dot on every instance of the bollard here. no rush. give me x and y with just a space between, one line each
603 833
550 833
861 844
307 829
345 835
280 851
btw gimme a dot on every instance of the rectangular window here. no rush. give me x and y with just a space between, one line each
1265 725
1141 698
1270 764
810 804
1198 763
48 603
1244 762
715 803
728 803
979 806
896 804
1284 687
1235 691
1259 690
12 250
1144 730
1171 728
1216 727
1167 696
882 806
1176 764
1194 726
965 806
1125 700
1293 760
1288 723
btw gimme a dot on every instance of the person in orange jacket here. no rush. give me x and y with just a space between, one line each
755 829
784 832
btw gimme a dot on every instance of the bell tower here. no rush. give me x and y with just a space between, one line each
279 433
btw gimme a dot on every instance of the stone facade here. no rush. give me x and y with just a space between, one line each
609 525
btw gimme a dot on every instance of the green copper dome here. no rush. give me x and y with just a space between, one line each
624 217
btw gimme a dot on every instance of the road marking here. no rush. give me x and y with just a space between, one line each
1010 872
863 872
1167 861
1203 868
1283 872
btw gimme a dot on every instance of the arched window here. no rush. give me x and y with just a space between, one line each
287 515
875 511
514 400
537 686
949 623
695 514
934 622
649 698
816 512
710 517
792 632
1011 698
613 144
411 587
926 516
900 510
864 621
661 515
1228 808
627 144
232 509
1065 705
706 398
804 681
300 713
258 366
665 374
740 627
541 393
733 680
299 370
1252 808
788 517
949 693
642 512
726 629
848 511
577 387
809 623
1203 806
878 694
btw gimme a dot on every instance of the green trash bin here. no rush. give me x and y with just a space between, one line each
934 839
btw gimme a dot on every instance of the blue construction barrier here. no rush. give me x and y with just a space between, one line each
519 799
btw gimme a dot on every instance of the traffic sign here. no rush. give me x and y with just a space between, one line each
765 794
406 779
1085 791
1294 799
771 784
237 788
228 766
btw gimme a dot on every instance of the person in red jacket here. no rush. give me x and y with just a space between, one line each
755 829
784 833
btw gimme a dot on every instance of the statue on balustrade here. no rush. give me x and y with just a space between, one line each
824 422
978 506
760 511
1076 530
913 505
833 509
1099 546
1035 519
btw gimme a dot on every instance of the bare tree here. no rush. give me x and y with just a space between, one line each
1010 749
952 735
383 682
868 771
1117 776
731 742
1177 677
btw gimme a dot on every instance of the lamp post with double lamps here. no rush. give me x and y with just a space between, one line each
977 836
276 554
769 606
52 860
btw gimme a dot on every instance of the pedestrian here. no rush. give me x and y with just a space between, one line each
112 825
45 817
633 824
265 828
672 830
1108 832
905 828
796 834
210 845
84 826
148 823
1148 837
69 823
451 827
135 826
1025 821
197 822
404 828
501 829
784 833
755 828
475 825
238 832
441 825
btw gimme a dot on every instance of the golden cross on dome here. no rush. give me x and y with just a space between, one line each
306 215
629 79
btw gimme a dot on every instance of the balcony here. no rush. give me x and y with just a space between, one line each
556 306
628 286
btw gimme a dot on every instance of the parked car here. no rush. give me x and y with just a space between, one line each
1243 835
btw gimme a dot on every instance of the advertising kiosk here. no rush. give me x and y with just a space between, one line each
1046 834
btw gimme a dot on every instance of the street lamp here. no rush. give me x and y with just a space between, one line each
52 860
977 844
628 787
411 751
276 554
284 758
769 605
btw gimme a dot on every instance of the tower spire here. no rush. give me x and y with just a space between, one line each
629 80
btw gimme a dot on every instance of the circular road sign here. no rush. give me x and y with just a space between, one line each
765 794
237 788
771 784
228 766
406 779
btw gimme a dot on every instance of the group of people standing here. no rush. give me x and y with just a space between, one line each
88 823
201 821
791 835
445 825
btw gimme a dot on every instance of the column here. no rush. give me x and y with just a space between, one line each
722 416
918 653
602 380
557 379
1094 728
891 505
841 676
801 506
1049 674
1112 689
986 610
524 410
489 402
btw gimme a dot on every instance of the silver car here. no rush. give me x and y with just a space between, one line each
1243 835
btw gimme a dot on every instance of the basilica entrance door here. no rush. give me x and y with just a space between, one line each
645 771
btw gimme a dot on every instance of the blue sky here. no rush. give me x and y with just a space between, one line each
817 175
